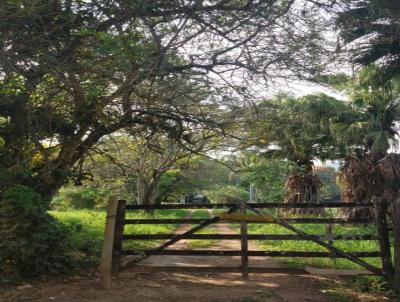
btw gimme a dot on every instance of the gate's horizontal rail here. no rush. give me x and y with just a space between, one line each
270 205
215 269
289 220
250 253
249 236
271 270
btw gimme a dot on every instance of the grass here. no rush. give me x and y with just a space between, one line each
87 228
151 228
345 289
307 246
337 296
340 292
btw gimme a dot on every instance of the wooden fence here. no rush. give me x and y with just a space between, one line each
237 213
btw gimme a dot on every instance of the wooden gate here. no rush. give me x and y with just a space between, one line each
114 235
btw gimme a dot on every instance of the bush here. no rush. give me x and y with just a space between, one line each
77 198
32 242
227 194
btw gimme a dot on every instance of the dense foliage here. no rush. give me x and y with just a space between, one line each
368 129
298 130
32 241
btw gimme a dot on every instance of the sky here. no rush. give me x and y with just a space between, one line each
300 88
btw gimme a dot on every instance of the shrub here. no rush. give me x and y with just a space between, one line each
77 198
227 194
32 242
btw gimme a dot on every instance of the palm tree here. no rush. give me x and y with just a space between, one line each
373 29
368 127
298 131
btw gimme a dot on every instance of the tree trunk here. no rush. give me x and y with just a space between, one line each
396 231
356 183
147 192
140 189
302 188
380 210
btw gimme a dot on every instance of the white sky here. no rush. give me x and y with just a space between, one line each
299 88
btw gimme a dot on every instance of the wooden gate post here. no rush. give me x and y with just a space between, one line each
112 228
396 234
118 234
380 209
244 243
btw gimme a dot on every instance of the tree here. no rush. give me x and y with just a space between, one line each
372 29
199 173
265 174
75 71
139 162
298 130
368 128
72 72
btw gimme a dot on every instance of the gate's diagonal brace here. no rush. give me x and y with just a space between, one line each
328 246
202 225
178 237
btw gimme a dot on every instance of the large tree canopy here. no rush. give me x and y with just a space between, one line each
74 71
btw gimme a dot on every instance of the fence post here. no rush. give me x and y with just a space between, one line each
383 237
244 243
108 243
396 234
118 234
